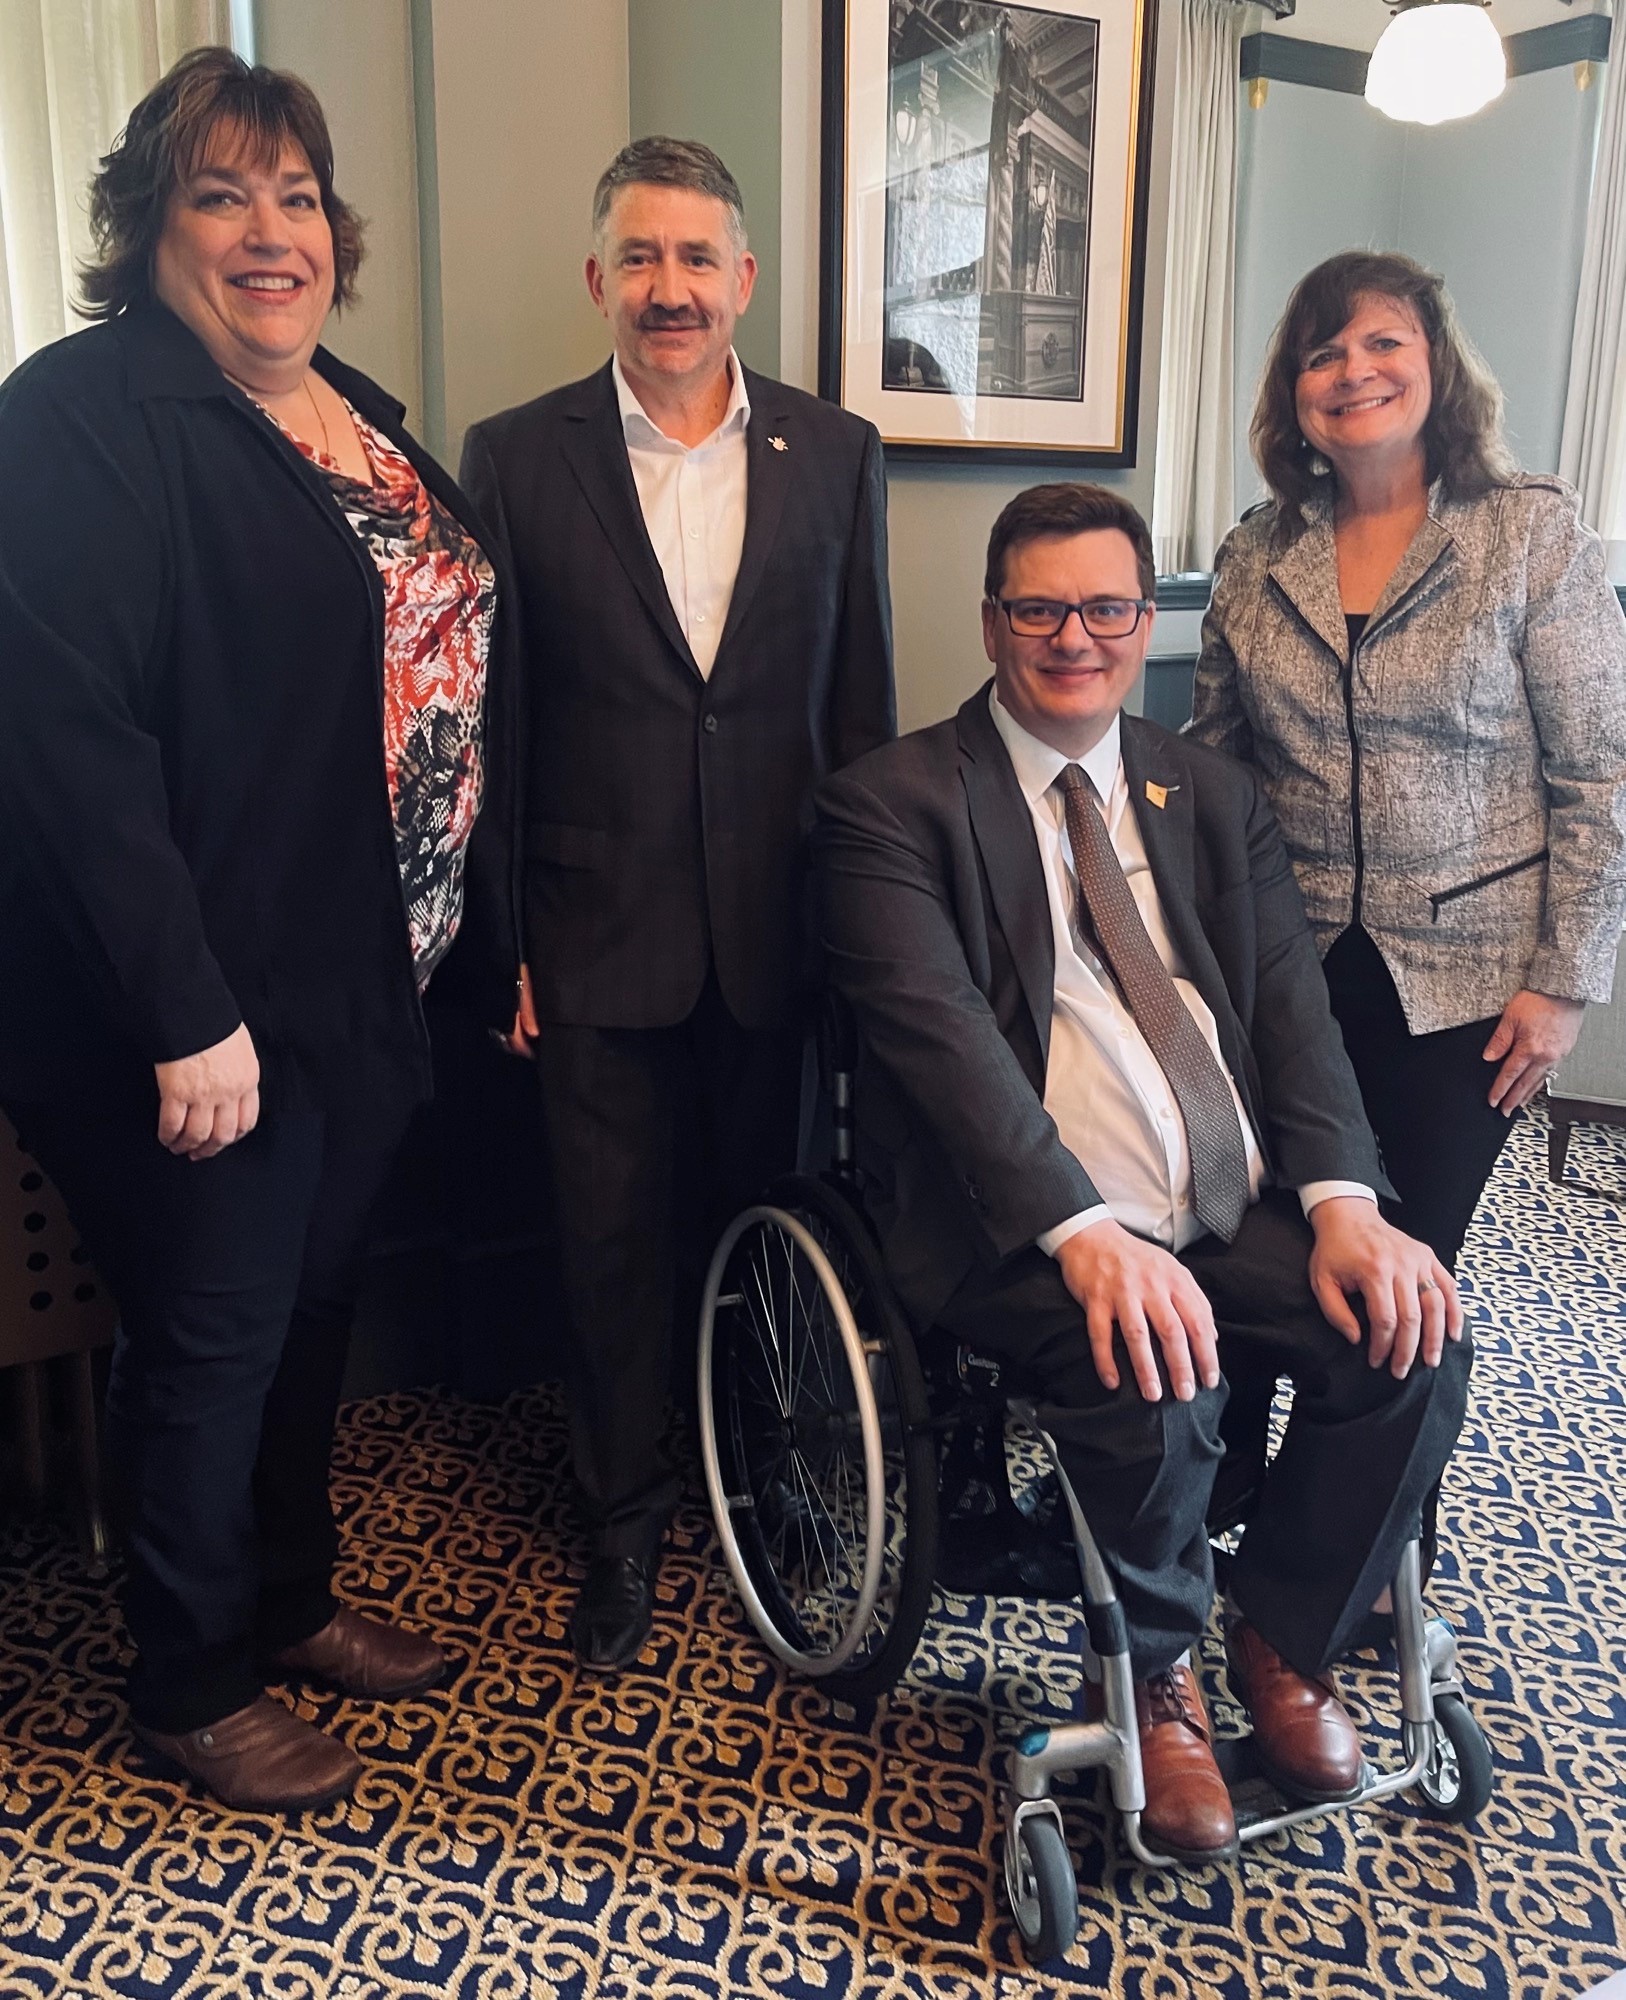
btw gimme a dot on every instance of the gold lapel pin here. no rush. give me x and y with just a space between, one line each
1159 794
779 444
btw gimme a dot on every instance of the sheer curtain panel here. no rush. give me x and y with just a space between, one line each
1593 453
70 71
1193 497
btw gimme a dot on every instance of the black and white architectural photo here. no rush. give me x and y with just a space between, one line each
989 151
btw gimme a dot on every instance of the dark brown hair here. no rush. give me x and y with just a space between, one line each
168 137
1045 513
1463 443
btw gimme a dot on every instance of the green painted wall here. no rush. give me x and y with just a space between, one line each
710 70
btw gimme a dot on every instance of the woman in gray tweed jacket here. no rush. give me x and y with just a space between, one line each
1418 648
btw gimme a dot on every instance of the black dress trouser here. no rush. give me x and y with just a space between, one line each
656 1137
236 1280
1427 1098
1342 1496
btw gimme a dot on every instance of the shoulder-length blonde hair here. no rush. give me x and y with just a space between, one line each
1463 442
167 138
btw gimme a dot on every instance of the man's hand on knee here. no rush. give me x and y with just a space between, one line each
1411 1302
1124 1282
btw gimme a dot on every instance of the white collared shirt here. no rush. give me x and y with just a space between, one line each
693 501
1106 1091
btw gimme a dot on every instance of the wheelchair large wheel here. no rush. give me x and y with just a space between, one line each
814 1428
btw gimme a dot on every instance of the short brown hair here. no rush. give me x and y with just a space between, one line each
661 162
1463 442
1045 513
167 137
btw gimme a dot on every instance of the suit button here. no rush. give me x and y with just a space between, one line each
973 1191
710 725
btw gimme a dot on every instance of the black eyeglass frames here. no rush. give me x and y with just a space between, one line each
1101 617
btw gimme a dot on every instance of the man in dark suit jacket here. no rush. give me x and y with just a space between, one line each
700 556
1116 1142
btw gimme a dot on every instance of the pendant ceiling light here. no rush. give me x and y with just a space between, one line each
1437 59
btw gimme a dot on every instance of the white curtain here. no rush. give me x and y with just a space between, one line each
1193 498
1593 454
70 72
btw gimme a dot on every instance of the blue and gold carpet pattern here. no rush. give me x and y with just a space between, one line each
703 1826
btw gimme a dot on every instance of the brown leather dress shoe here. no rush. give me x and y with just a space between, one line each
1188 1810
1305 1742
262 1758
364 1656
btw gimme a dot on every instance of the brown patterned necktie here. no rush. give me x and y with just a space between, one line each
1219 1158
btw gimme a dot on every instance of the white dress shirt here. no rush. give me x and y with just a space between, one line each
693 501
1106 1091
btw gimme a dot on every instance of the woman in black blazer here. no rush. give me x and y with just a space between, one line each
247 720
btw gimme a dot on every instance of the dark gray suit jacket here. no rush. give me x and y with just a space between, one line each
937 929
665 816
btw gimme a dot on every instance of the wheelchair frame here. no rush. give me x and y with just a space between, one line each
777 1422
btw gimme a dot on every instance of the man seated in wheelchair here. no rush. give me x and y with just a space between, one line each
1116 1144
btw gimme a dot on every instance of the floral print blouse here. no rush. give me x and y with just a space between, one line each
439 599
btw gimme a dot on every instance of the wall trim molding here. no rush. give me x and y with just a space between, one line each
1324 66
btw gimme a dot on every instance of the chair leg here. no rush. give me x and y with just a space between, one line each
31 1430
1558 1145
88 1458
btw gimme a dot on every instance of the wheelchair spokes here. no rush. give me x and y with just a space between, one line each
815 1449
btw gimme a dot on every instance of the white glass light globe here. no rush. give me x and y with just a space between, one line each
1436 62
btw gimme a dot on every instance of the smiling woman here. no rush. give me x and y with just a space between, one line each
1417 646
249 713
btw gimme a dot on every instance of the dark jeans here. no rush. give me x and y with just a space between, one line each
1427 1097
656 1137
236 1279
1341 1497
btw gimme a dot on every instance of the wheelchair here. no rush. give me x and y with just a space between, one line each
825 1432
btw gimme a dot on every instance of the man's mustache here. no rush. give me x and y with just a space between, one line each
679 319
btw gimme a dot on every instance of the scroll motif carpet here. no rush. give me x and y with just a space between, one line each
704 1826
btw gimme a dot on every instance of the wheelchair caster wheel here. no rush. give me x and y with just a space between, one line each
1457 1779
1042 1888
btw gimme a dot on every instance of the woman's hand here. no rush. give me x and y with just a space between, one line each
1534 1035
208 1101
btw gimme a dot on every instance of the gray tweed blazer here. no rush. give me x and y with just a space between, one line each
1477 742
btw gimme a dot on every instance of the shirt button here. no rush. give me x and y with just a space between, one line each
710 725
694 534
700 618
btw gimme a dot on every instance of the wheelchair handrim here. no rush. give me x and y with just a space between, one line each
812 1664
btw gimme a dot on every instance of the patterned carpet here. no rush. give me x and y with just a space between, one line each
705 1828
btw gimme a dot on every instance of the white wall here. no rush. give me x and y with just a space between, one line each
1496 203
358 60
530 104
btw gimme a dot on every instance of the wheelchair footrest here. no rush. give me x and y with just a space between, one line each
1004 1554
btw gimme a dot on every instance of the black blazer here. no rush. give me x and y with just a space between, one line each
937 928
665 816
192 794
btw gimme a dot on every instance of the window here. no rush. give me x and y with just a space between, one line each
69 76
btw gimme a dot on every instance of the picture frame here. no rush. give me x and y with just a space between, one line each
985 168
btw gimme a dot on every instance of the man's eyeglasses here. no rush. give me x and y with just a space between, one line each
1102 617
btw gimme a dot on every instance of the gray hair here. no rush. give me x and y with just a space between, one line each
679 163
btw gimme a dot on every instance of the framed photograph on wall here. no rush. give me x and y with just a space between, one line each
985 170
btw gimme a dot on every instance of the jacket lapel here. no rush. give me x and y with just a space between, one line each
1431 541
595 448
1306 573
1003 829
769 469
1153 768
